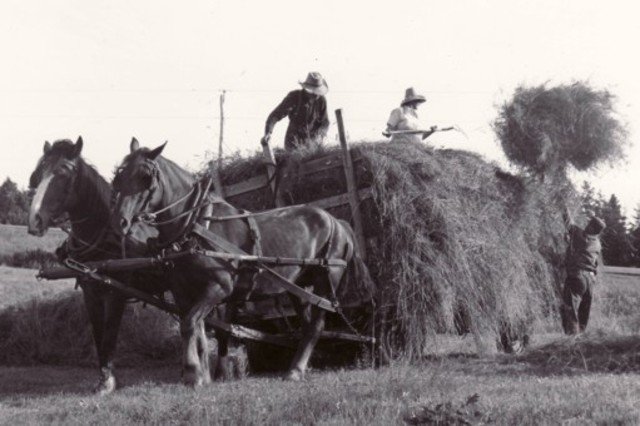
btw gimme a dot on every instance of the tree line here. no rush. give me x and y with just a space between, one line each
621 238
14 203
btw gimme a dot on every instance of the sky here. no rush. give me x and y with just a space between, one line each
109 70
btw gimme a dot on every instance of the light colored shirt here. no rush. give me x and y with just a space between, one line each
404 118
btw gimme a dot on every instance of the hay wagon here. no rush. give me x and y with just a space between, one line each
270 320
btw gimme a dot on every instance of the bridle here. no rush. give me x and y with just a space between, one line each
198 192
78 247
197 209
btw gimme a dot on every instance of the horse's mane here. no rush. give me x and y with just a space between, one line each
172 172
92 189
187 174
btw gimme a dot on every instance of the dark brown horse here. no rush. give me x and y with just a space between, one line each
65 184
148 183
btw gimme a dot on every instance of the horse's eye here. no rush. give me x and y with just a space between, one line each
62 171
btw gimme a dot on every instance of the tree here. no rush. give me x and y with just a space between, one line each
590 202
14 204
617 249
634 238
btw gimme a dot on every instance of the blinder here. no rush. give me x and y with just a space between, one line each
147 170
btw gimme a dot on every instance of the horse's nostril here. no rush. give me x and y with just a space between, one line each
124 223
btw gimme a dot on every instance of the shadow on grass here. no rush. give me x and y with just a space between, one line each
594 352
47 380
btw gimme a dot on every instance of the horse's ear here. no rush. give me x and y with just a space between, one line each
77 148
156 152
135 145
46 148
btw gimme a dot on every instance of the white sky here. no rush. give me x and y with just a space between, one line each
112 69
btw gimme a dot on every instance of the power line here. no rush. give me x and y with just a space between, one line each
200 90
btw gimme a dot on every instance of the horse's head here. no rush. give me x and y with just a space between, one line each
137 186
53 181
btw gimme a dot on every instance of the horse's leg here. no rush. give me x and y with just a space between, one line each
312 329
230 364
303 310
223 368
203 353
95 305
310 335
114 304
195 348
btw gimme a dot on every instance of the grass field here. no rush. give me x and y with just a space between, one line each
15 239
594 379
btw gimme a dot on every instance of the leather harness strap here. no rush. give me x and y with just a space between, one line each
220 243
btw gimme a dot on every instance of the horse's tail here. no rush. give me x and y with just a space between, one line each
356 282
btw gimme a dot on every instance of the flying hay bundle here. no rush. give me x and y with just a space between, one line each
546 129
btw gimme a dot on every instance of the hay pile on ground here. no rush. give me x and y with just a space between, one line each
455 237
56 330
592 351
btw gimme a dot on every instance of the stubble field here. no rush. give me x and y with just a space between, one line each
592 379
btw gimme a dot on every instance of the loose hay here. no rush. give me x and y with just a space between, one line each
546 129
56 331
590 352
456 237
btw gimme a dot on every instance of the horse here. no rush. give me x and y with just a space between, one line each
65 184
147 185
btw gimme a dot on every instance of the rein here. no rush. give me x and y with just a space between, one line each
150 218
85 247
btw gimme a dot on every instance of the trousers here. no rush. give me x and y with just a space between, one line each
576 299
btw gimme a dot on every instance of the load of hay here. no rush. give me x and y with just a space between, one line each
451 237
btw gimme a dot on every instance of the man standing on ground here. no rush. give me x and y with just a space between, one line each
307 112
583 255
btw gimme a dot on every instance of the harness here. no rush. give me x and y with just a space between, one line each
198 216
74 245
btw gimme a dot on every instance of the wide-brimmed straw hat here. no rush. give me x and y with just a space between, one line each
315 84
411 96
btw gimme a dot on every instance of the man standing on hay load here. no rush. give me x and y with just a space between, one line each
583 255
307 112
403 124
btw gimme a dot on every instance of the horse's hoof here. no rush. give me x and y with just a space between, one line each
226 369
193 382
192 379
106 385
293 376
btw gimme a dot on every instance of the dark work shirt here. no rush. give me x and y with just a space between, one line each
583 251
308 119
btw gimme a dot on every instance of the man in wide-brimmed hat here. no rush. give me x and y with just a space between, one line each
583 255
307 112
403 123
